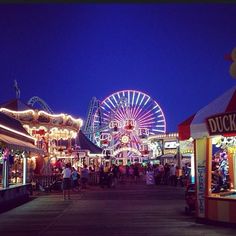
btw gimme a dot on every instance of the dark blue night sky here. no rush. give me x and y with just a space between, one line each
68 53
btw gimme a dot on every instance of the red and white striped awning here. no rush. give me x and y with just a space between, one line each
195 125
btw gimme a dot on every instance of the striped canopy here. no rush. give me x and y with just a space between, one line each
195 125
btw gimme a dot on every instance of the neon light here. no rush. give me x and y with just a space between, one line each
114 99
141 100
107 104
137 98
147 101
155 107
111 102
133 99
128 97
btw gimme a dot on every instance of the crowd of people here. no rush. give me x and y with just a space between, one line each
109 175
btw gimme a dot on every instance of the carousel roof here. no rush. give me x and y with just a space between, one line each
16 105
86 144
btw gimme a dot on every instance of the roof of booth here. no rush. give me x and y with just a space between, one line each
195 125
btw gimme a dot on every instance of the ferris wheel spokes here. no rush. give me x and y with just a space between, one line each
128 116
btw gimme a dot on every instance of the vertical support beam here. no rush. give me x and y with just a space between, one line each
5 179
24 168
200 170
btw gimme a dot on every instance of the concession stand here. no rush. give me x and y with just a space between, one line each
213 130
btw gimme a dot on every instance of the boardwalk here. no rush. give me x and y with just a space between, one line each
124 211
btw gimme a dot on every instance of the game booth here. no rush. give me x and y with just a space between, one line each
213 130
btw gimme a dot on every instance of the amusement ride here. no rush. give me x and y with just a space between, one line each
122 122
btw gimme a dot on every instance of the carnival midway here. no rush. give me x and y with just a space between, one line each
123 139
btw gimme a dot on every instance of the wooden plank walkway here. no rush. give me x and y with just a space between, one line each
131 209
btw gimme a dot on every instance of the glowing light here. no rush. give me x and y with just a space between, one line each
141 100
125 149
17 112
111 102
147 101
16 132
115 99
133 105
158 130
133 99
137 98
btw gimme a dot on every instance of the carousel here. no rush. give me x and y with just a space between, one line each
55 134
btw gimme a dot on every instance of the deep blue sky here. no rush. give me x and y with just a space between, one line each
66 54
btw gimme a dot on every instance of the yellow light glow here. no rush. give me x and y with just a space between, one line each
17 112
124 149
164 136
52 115
64 116
17 132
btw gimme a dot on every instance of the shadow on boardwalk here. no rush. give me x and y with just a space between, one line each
129 209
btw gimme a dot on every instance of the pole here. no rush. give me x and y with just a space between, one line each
5 174
24 168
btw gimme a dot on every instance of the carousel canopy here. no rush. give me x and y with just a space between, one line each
15 105
86 144
195 126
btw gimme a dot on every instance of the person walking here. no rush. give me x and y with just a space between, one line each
172 175
75 180
66 182
84 177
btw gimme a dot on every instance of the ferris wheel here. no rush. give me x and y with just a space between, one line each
126 117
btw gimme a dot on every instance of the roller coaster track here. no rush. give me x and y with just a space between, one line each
41 102
88 127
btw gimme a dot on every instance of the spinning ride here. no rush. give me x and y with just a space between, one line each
123 121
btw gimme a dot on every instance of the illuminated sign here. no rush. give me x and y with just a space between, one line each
222 123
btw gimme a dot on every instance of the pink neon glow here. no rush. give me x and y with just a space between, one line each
141 108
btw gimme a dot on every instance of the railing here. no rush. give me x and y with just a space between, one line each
93 178
43 182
